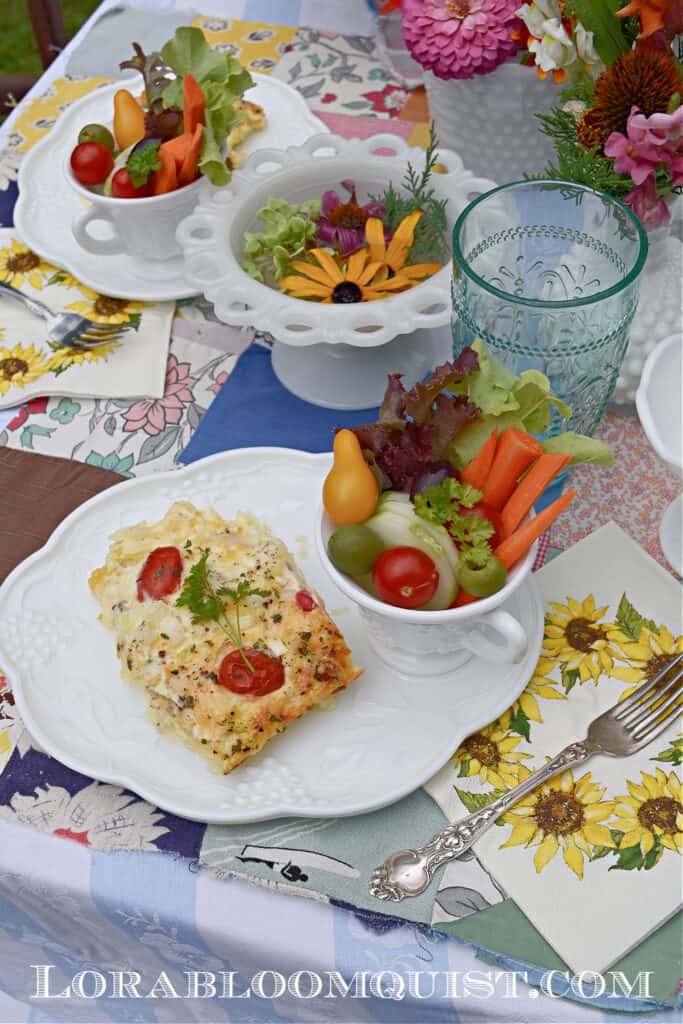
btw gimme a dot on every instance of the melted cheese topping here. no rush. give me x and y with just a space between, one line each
177 661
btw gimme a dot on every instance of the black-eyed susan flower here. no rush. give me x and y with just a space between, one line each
563 814
21 365
328 281
392 257
575 637
651 812
19 264
491 754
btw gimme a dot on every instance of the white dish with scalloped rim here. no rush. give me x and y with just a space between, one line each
47 204
387 735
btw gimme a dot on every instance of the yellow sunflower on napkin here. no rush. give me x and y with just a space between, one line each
21 365
104 309
652 652
576 637
491 754
562 814
19 264
651 813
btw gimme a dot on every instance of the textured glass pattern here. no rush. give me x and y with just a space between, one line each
546 273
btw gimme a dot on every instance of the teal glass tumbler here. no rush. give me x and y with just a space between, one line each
546 273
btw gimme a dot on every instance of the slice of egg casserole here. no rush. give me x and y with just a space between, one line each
215 620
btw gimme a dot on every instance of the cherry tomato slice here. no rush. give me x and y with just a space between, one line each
123 188
305 601
268 674
161 574
91 163
493 515
405 577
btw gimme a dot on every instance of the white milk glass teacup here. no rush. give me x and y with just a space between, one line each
427 643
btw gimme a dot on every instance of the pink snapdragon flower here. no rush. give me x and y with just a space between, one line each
650 209
632 153
462 38
662 134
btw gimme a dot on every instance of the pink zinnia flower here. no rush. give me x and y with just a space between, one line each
663 135
462 38
650 209
153 414
343 224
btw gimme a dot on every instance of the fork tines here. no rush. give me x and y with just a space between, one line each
654 704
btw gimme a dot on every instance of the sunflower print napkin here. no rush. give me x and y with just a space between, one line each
30 366
593 857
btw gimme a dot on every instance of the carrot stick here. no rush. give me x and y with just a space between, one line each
194 103
530 488
188 170
514 452
463 598
517 544
477 470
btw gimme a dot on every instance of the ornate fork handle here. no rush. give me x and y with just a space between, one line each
34 305
409 872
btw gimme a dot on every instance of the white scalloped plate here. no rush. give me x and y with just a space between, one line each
387 735
47 204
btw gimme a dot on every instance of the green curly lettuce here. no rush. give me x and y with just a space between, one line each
223 81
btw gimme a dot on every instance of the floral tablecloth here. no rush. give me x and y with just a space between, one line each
164 912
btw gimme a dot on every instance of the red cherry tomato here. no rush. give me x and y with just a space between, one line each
493 515
268 674
123 188
405 577
161 574
91 163
305 601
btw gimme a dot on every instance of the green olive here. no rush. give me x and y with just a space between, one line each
354 549
482 582
97 133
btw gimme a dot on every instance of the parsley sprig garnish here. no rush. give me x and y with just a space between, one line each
443 505
141 163
207 603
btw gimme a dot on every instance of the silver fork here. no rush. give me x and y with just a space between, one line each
618 732
68 330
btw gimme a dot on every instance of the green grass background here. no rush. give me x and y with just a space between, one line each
18 54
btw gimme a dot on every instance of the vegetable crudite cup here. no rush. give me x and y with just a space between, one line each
428 643
427 519
143 228
142 172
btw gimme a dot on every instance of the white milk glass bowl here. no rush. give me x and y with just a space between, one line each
658 401
332 355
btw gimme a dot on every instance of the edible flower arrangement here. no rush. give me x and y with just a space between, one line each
336 249
175 131
619 127
431 503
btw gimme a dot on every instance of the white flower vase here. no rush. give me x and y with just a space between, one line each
489 120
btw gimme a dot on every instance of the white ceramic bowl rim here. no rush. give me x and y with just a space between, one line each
212 265
486 604
661 445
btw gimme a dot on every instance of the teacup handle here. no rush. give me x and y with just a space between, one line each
509 643
101 246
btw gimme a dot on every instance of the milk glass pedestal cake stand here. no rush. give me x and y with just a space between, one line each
336 356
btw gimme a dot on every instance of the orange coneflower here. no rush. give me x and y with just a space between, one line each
643 78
